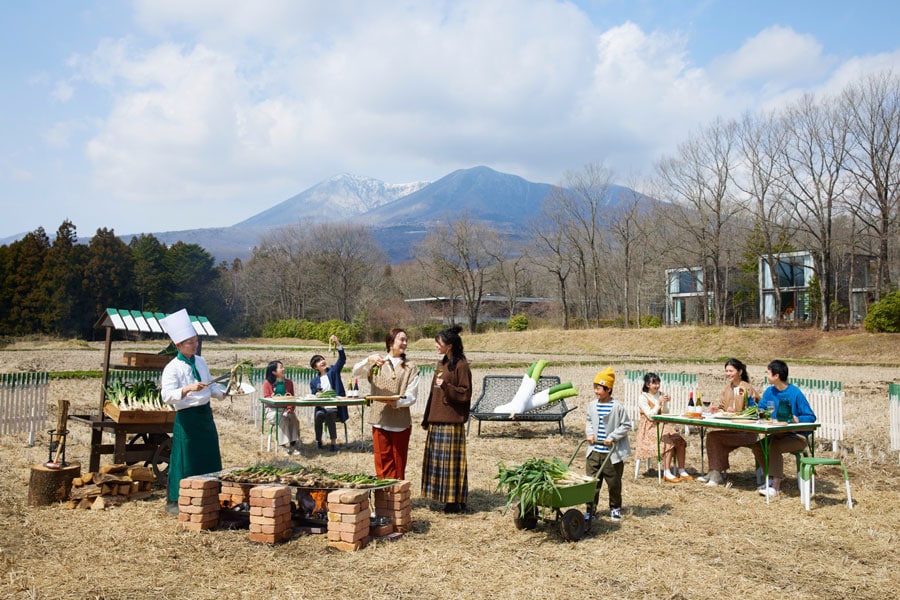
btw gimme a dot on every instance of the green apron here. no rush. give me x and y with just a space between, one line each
195 446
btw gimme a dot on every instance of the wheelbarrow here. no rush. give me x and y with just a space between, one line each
572 523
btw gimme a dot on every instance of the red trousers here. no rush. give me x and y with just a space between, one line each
390 449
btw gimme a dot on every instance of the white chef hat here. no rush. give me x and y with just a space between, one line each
178 326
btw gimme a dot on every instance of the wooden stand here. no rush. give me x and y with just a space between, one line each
47 486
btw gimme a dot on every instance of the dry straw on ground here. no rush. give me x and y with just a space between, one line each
676 541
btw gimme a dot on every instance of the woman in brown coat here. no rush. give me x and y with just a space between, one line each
444 472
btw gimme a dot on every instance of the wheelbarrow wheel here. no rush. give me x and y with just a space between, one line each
526 520
572 526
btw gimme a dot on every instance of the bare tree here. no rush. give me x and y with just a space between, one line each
581 207
697 181
873 108
815 160
349 267
277 279
553 252
763 140
462 253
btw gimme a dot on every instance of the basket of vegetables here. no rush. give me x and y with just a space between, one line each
136 402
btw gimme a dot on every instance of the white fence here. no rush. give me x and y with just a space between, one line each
682 387
23 403
826 398
894 412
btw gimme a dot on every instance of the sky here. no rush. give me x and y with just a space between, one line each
165 115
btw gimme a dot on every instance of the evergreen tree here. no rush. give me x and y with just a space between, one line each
24 285
150 275
70 310
109 274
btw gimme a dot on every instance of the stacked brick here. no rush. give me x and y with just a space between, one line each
198 503
348 519
395 503
270 514
234 494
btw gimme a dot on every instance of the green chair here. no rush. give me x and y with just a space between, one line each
807 477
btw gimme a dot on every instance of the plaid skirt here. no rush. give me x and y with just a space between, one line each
444 474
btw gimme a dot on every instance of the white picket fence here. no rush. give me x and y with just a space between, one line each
826 398
23 403
682 387
894 412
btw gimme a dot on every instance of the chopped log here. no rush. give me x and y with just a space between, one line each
87 478
104 478
141 474
121 468
48 486
86 503
88 491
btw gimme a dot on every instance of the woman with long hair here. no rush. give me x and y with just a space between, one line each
651 402
444 471
391 375
736 395
288 422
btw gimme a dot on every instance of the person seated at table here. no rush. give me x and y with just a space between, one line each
651 402
329 378
791 407
720 442
288 422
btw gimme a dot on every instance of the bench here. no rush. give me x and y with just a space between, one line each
497 390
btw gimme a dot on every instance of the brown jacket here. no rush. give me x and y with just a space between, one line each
450 403
730 402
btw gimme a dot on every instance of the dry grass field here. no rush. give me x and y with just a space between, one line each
675 541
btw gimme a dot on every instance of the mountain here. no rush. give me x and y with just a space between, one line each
339 198
504 201
399 215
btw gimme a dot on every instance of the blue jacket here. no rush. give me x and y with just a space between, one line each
334 377
800 407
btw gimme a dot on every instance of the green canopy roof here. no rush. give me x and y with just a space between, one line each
122 319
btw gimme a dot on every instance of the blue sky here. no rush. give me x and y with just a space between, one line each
162 115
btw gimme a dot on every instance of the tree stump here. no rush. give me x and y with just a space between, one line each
47 486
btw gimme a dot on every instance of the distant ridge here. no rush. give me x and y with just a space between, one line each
399 215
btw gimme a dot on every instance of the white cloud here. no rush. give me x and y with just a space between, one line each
250 102
775 57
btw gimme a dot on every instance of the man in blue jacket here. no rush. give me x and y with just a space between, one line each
791 406
329 378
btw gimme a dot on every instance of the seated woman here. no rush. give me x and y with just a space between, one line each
288 423
651 403
719 443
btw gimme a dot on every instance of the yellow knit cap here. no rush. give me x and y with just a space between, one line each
606 378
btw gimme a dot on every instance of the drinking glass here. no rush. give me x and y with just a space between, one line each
437 375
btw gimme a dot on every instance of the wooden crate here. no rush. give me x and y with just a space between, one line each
146 360
138 416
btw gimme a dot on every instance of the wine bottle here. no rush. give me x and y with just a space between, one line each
691 399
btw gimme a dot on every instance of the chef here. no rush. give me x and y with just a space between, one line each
187 387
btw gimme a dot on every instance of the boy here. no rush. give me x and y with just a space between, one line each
790 406
607 436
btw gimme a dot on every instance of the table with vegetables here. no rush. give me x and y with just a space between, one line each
747 420
328 398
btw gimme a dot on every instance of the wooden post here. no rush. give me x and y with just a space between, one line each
47 486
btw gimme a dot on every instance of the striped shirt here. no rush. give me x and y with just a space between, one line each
603 409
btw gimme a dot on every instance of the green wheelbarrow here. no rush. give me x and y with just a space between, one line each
572 523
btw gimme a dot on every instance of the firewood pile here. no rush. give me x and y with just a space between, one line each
111 486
